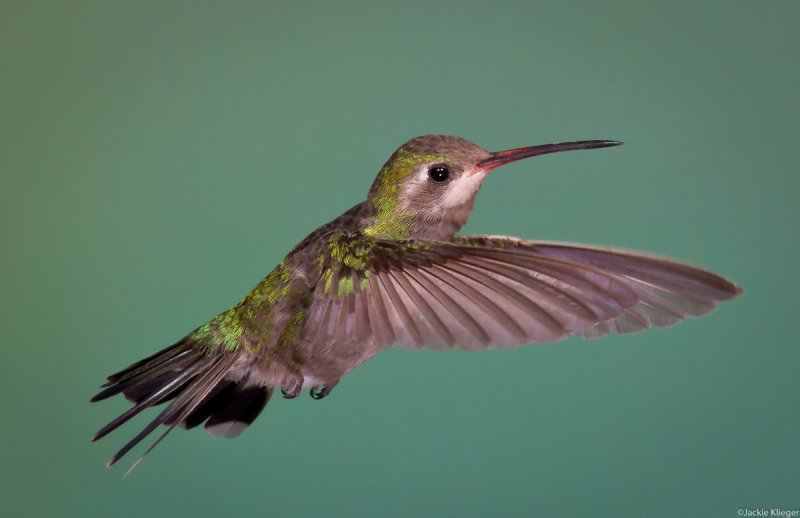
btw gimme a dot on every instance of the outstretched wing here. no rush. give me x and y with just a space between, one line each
668 291
483 291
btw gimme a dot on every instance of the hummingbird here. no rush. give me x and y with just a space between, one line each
392 272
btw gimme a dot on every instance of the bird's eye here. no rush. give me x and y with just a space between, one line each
439 173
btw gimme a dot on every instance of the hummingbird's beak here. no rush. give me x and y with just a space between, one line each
499 158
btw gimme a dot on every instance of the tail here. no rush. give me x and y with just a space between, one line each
199 388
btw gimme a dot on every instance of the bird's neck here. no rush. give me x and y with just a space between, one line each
393 221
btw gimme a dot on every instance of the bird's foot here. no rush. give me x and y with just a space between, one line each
292 388
320 391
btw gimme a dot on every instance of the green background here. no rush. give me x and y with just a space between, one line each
159 158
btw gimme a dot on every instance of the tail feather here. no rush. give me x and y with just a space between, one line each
138 392
196 384
159 395
174 357
182 406
158 359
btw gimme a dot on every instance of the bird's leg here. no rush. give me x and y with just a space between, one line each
292 385
320 391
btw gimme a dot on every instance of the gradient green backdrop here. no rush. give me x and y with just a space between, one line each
159 158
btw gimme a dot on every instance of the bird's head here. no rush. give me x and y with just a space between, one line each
427 188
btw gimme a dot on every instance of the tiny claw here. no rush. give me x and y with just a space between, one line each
320 391
291 394
292 386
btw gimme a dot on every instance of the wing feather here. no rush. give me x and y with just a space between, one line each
404 325
489 315
379 316
513 315
428 314
462 325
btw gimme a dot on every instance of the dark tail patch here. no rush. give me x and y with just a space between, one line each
239 411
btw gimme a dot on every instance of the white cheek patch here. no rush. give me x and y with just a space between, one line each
462 189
